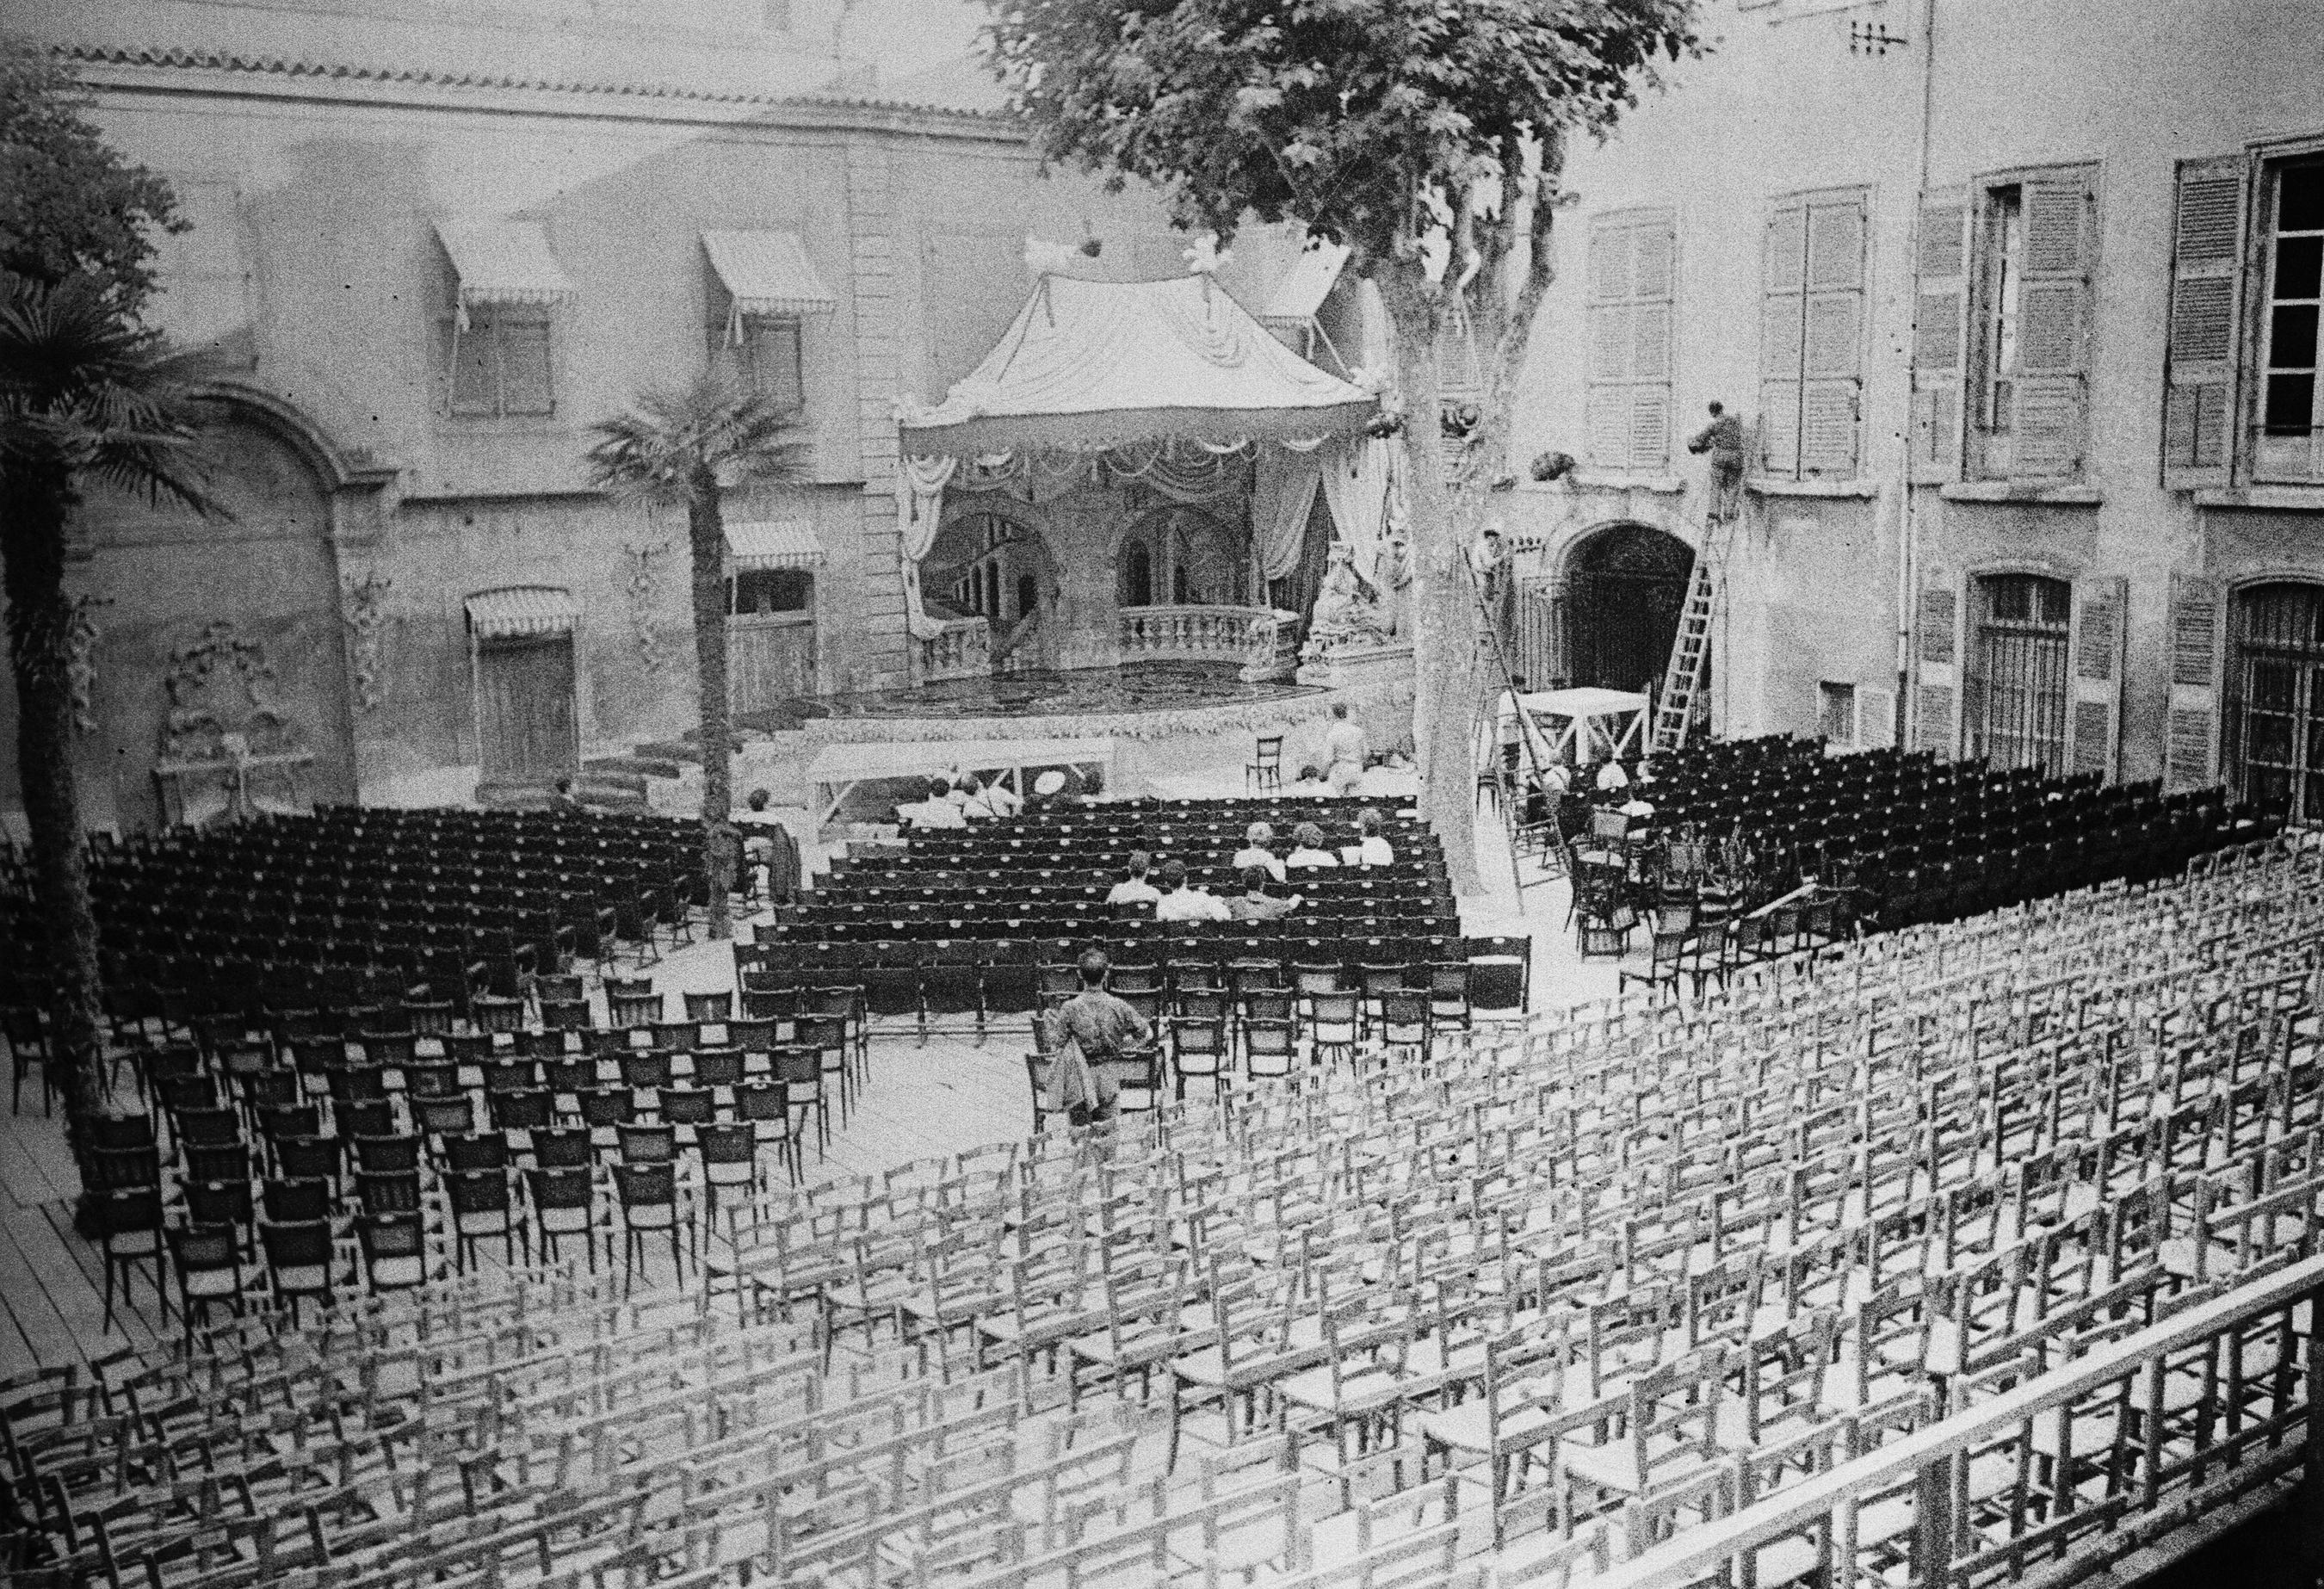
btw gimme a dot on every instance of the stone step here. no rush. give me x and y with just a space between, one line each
639 765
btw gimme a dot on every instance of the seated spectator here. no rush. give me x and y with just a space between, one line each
1255 903
1181 903
975 798
1134 889
935 811
1371 847
1003 799
1610 778
1257 850
1307 847
563 799
1310 781
768 848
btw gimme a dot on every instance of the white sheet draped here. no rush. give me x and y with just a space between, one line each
919 508
1355 481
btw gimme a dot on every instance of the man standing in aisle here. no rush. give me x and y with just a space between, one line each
1343 751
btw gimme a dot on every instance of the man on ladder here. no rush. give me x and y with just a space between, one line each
1722 439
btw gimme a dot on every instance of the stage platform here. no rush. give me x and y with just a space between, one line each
1160 722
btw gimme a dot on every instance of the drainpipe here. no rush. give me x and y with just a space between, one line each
1908 529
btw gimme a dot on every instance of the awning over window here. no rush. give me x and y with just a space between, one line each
503 262
790 544
767 273
523 610
1299 297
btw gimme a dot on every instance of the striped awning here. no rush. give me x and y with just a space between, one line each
767 273
522 610
790 544
503 262
1299 297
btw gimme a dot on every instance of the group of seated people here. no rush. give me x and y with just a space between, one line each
955 799
1258 865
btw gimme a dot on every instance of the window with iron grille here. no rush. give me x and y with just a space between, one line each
2019 696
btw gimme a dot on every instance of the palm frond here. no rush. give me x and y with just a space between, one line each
677 436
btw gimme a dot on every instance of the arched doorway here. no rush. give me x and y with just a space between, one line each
1179 555
2275 700
1625 589
2016 696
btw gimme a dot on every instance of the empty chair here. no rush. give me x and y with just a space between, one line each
209 1261
766 1106
1269 1050
684 1111
300 1259
562 1146
730 1159
387 1155
128 1234
394 1249
648 1195
564 1207
296 1202
647 1144
1198 1052
480 1208
387 1191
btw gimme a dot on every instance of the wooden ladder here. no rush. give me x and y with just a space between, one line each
1690 651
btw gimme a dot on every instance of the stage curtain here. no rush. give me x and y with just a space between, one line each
1355 488
1282 496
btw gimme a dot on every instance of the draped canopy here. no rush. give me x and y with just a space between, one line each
1090 366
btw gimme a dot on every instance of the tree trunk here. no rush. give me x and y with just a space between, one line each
40 627
1445 633
706 537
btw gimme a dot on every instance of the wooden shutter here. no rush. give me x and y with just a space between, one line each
527 383
1783 314
2191 754
2050 403
472 380
1937 650
1875 717
2101 615
1940 313
1654 283
2206 289
1832 339
1608 420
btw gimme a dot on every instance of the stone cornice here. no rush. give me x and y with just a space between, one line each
221 74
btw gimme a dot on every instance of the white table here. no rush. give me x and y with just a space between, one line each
837 769
1589 725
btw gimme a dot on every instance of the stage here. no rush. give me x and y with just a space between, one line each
1157 723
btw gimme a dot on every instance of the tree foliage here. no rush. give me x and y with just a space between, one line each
70 203
1353 117
688 446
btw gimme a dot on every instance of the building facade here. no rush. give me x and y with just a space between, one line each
2019 304
429 247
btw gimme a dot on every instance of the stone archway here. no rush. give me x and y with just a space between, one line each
1621 590
991 560
221 633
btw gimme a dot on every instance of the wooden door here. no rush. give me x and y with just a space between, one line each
525 721
769 656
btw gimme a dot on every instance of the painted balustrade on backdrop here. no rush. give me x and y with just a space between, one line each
1261 638
961 648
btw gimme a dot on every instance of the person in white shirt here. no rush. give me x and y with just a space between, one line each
1258 850
1610 778
1343 751
1134 889
1371 847
1181 903
935 811
1003 799
1307 847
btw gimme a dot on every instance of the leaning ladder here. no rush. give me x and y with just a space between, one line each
1690 651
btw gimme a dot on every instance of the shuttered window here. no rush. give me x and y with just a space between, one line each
1632 279
1940 313
2206 251
501 362
1810 337
2037 238
2288 445
2191 732
763 352
1936 665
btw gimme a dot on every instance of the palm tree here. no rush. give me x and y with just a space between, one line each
691 445
86 395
